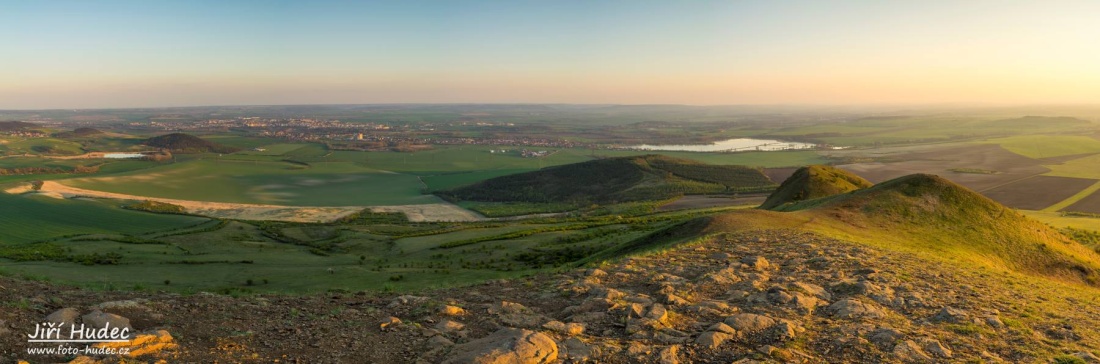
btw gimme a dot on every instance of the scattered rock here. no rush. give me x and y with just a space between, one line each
675 300
389 322
756 262
595 272
886 337
994 322
449 326
784 331
66 317
853 309
637 349
908 351
669 355
813 290
713 339
448 310
934 347
749 322
99 319
952 315
724 277
578 351
571 329
507 346
722 327
658 313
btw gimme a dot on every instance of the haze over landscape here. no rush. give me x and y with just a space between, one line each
473 182
78 54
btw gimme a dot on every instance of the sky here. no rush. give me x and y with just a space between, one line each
106 54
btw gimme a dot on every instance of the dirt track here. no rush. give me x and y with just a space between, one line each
416 213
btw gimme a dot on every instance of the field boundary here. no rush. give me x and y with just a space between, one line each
240 211
1073 199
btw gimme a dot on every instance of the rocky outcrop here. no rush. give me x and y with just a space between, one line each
507 346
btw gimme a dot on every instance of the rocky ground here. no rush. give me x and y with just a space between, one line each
764 296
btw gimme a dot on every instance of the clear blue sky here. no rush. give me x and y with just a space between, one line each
79 54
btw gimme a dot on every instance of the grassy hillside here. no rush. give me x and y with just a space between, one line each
186 143
933 217
812 182
32 218
650 177
16 125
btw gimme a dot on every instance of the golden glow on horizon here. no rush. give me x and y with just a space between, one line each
864 53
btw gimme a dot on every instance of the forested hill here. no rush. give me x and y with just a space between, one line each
186 143
649 177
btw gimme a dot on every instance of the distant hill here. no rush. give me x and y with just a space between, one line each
650 177
813 182
16 126
80 133
186 143
932 216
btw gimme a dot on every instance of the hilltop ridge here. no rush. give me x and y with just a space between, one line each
186 143
649 177
813 182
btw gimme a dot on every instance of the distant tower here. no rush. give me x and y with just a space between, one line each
359 136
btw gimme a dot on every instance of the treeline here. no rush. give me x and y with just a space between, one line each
615 180
45 251
728 176
47 170
597 181
157 207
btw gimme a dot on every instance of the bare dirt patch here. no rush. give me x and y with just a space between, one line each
432 212
1039 192
1009 166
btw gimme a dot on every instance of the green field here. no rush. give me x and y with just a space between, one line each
356 255
300 174
31 218
1086 167
39 146
265 182
273 149
1048 146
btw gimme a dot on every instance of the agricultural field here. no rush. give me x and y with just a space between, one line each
369 252
39 146
1038 192
265 182
30 218
1049 146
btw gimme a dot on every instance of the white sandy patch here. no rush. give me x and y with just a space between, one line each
20 189
240 211
432 212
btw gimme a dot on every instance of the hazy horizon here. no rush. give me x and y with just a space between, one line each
132 54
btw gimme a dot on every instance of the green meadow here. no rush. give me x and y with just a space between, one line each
265 182
30 218
362 254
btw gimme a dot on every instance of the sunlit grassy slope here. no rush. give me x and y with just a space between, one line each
935 218
812 182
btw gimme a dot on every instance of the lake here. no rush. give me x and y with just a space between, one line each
729 145
123 155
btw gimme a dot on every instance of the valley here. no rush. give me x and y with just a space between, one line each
594 236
